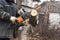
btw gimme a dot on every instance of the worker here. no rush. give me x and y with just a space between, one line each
8 14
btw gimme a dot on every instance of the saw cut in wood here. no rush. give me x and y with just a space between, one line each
34 13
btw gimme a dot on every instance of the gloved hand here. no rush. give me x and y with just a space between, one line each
13 19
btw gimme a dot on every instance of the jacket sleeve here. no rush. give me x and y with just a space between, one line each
4 15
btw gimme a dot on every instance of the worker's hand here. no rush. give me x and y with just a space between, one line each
34 13
13 19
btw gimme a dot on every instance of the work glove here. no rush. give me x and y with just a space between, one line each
18 19
13 19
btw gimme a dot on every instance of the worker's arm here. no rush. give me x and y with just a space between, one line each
4 15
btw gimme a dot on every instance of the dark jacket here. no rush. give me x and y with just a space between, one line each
6 11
